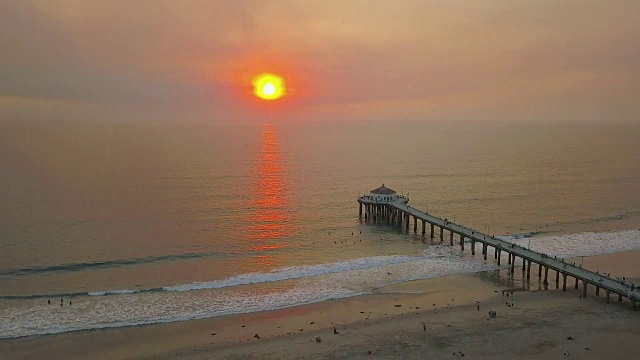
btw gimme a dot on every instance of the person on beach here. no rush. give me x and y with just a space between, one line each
49 301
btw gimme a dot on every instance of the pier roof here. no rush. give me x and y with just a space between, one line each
383 190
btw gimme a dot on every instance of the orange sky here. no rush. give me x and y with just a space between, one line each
343 60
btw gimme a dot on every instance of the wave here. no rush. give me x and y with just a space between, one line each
110 263
604 219
77 294
42 296
611 217
116 292
281 274
296 272
520 236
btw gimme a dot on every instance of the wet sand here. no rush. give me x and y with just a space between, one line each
432 318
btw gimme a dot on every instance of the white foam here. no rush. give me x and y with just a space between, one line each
112 292
295 272
514 237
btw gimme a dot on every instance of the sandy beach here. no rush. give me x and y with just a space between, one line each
430 318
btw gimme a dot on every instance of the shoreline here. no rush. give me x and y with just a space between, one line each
403 287
226 335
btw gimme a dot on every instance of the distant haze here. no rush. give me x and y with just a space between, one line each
350 60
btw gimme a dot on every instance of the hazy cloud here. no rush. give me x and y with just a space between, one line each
343 59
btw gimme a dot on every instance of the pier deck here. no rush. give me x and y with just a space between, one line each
400 210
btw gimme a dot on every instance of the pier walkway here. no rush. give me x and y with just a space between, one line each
397 209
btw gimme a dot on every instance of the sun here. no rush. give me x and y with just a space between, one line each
269 86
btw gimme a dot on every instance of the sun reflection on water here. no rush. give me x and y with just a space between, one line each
271 220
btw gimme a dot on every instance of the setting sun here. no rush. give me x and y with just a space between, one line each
269 86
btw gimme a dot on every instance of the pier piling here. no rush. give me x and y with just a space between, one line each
407 223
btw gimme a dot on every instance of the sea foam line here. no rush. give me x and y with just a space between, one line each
296 272
35 270
280 274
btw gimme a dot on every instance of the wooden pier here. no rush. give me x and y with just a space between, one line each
391 208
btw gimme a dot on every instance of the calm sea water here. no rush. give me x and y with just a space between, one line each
146 223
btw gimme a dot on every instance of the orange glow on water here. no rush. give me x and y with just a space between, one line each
264 261
269 86
270 185
266 248
271 221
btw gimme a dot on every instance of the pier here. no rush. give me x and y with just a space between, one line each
384 205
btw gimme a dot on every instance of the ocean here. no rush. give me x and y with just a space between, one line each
141 223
